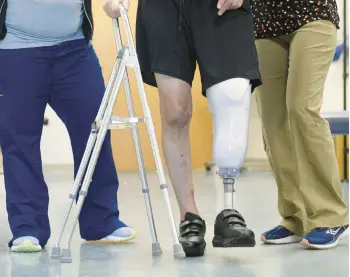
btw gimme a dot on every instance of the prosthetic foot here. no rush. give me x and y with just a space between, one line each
230 229
229 104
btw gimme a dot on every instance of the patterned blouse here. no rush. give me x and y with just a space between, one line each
273 18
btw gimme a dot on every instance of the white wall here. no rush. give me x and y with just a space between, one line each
333 100
55 143
333 96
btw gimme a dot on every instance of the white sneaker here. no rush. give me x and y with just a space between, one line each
26 245
119 236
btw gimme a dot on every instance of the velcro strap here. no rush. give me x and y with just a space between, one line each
195 222
191 230
234 217
234 220
191 227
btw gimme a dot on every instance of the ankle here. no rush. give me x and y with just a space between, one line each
189 213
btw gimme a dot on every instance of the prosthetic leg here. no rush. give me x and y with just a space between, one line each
127 57
229 103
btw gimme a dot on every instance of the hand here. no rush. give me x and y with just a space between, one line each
224 5
111 7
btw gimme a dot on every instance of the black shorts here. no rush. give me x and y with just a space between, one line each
173 35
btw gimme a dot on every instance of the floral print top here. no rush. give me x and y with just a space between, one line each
274 18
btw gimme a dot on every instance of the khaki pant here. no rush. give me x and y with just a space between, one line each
298 141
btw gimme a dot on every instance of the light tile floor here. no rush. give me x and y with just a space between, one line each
255 198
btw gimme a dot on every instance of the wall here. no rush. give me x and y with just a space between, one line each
333 96
57 151
55 143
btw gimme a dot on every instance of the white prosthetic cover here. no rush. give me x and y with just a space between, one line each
229 103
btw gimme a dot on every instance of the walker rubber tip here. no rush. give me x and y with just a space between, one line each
156 250
178 251
66 257
56 253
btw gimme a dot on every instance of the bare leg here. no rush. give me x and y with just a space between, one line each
176 113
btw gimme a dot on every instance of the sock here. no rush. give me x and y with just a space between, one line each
20 240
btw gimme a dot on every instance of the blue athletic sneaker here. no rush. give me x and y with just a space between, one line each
324 238
279 235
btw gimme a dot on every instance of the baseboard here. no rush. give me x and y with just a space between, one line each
250 165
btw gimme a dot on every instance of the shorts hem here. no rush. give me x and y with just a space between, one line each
255 81
149 78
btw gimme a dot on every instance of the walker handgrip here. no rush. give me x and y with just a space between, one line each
123 11
127 28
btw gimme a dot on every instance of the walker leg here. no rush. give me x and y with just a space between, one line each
156 249
127 57
177 247
56 250
101 134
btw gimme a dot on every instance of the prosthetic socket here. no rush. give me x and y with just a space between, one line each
229 103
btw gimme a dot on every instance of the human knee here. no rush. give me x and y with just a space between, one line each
229 103
176 113
175 101
178 117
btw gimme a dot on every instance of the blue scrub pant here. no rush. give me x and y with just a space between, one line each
68 77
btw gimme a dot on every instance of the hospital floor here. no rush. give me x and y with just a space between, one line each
255 198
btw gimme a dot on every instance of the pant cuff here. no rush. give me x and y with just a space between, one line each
292 227
329 222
